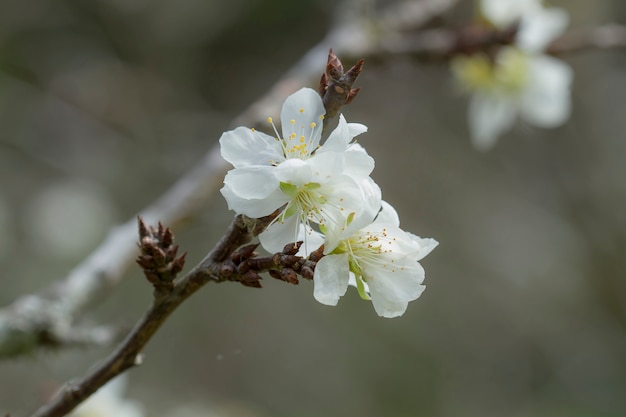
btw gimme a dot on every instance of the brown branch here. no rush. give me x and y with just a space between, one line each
443 44
601 37
228 261
128 353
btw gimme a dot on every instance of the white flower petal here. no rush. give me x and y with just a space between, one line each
540 28
392 291
331 279
372 196
348 198
489 116
425 245
397 243
356 129
358 162
252 207
339 138
387 215
253 182
325 166
389 309
280 233
312 240
303 107
242 147
366 212
294 171
504 13
546 102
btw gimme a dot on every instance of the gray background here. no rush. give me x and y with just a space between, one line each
104 104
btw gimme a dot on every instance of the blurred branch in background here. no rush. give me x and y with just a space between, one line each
602 37
48 319
442 44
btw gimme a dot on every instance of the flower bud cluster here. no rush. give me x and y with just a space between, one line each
329 201
158 255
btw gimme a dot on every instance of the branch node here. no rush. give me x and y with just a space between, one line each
336 86
158 258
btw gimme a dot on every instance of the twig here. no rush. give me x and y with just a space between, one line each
128 353
336 85
228 261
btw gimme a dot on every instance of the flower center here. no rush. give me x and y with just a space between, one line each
368 250
508 73
305 201
300 143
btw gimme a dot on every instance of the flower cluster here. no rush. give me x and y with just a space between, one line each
327 197
519 79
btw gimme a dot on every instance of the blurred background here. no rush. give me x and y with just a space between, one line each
104 104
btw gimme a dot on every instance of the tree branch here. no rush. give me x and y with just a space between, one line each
602 37
128 354
443 44
224 263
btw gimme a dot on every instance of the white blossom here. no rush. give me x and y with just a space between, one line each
538 25
316 184
519 80
382 262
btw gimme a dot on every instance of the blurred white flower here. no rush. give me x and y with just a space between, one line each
518 80
538 25
109 402
316 184
381 260
533 87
